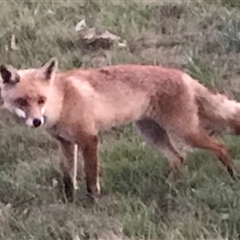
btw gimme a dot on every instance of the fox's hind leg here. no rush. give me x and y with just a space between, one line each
200 139
155 135
196 136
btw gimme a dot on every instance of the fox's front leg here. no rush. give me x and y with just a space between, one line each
89 147
69 166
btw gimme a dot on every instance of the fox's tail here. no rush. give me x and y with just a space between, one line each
214 107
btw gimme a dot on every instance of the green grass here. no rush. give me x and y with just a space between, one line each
137 202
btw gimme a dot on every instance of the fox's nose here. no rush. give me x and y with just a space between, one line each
37 122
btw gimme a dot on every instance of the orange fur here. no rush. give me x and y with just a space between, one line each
166 104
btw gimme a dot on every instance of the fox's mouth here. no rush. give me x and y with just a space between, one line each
36 122
33 123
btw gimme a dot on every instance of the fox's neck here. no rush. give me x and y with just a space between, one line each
54 105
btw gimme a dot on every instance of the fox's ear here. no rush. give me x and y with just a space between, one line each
9 74
49 69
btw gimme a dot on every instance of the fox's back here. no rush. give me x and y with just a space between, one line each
124 93
127 79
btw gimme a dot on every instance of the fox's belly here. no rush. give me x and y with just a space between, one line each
107 117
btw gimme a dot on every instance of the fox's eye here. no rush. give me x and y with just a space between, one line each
22 102
41 101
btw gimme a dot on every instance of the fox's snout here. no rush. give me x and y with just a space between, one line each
30 121
35 122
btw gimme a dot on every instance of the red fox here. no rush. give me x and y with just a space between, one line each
164 103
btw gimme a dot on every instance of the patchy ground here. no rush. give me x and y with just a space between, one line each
137 203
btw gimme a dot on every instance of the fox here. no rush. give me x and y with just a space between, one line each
74 105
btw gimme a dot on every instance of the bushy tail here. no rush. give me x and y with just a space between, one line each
214 108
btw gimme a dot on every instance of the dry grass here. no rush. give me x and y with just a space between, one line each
137 203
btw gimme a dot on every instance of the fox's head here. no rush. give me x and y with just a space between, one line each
25 92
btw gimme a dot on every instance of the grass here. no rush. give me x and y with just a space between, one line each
137 203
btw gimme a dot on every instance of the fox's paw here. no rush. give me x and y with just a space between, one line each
94 191
231 171
68 188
